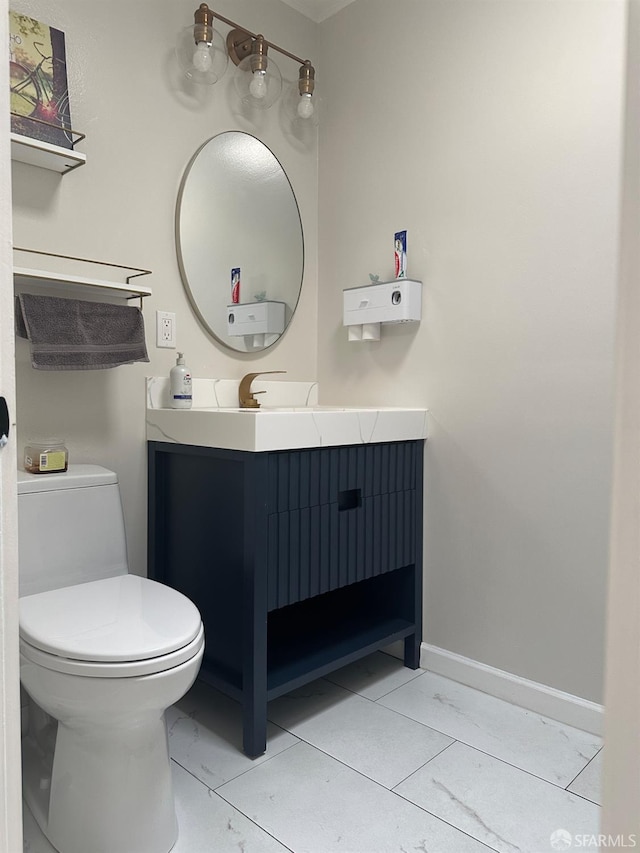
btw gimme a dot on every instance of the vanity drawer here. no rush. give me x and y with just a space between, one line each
313 477
317 549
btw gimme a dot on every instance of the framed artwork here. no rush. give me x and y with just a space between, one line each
38 81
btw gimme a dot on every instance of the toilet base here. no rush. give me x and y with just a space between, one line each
109 792
96 766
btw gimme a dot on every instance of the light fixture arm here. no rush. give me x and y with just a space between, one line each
239 40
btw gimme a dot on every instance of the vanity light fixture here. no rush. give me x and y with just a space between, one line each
258 81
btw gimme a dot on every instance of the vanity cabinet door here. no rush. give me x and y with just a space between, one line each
338 515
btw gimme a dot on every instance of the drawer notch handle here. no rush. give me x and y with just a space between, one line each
349 499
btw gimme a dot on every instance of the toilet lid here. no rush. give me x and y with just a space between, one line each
124 618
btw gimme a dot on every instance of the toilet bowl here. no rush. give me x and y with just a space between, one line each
101 658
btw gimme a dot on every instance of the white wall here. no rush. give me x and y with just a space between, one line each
491 132
143 124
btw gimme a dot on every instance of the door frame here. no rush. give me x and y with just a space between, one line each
10 770
621 803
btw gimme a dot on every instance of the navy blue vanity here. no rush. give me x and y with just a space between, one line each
300 561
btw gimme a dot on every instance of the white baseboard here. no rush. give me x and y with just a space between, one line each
539 698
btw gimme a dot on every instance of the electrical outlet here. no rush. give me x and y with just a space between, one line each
166 329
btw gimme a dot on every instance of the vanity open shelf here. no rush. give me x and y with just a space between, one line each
300 561
35 152
363 618
86 280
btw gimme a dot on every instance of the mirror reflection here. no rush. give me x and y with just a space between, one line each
239 241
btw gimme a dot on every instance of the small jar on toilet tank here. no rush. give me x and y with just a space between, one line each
46 456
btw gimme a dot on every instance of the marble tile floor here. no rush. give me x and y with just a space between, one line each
377 758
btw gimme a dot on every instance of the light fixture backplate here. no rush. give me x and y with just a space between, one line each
239 44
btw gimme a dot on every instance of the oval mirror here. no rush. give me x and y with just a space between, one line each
239 241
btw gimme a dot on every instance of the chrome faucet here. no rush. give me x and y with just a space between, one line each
246 396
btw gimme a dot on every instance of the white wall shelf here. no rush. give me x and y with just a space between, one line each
84 282
35 152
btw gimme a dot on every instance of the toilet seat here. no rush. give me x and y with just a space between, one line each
111 628
128 669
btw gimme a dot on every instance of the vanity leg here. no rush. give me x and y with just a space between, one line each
412 651
254 691
254 729
254 669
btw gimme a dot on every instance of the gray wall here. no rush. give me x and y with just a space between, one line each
491 131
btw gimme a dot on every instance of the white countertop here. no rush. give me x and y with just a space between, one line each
276 427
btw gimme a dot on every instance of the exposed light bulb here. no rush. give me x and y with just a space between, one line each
258 85
202 57
305 106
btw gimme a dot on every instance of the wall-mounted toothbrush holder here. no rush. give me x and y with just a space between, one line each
366 308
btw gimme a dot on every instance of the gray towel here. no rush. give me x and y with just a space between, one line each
72 334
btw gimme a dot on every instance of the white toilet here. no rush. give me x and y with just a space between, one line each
102 655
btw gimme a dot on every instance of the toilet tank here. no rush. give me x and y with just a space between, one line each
70 528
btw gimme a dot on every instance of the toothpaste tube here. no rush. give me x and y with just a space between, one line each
400 242
235 285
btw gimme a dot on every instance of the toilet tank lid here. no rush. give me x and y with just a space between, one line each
76 477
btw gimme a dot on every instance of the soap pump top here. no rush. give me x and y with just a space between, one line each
180 382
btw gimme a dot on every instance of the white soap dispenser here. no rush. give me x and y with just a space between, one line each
180 382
